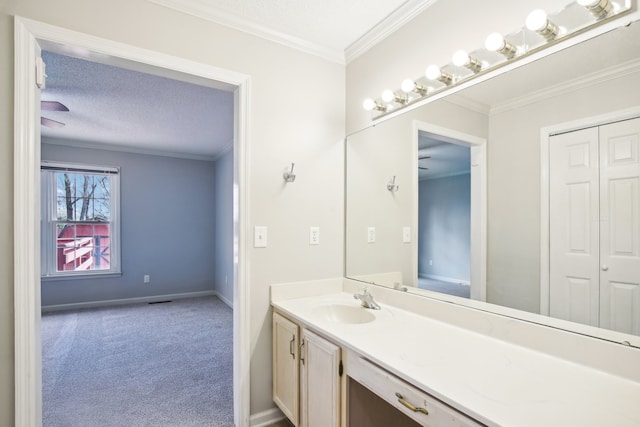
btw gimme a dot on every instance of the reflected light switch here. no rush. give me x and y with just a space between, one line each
260 237
371 235
406 234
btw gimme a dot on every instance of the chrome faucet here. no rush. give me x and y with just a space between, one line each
367 300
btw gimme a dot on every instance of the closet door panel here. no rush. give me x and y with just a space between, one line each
620 226
574 226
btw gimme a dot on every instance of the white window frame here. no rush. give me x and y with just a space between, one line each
49 220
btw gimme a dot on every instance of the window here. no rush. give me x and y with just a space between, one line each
80 220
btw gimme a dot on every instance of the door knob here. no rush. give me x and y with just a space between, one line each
605 267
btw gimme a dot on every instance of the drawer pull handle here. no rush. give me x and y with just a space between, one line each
411 406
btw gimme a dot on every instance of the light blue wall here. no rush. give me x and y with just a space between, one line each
168 230
444 227
223 228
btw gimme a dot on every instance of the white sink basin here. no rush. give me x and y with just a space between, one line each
342 313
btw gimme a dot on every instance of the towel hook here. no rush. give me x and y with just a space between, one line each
391 185
290 176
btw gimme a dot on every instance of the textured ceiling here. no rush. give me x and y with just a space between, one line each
442 158
134 110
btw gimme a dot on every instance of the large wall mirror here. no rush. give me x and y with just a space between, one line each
518 195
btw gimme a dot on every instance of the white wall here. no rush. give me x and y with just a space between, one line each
297 114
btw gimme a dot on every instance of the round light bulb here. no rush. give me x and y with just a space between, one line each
433 72
537 20
368 104
494 42
388 96
587 3
408 85
460 58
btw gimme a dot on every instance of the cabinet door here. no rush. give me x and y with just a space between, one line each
285 366
320 381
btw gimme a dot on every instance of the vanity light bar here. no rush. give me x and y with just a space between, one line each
538 21
598 8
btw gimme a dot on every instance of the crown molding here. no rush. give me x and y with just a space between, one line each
209 13
460 100
611 73
381 31
135 150
386 27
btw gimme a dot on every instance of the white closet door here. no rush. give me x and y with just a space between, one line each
620 227
574 224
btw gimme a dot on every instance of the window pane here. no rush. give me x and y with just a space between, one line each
82 247
82 197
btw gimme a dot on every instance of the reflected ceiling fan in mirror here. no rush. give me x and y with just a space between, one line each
422 158
52 106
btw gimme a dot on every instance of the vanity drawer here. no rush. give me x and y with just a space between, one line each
411 401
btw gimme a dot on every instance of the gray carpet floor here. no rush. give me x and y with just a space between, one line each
457 289
157 365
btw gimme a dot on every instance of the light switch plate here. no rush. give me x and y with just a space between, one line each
371 235
260 237
406 234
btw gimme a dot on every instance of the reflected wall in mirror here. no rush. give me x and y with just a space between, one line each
517 113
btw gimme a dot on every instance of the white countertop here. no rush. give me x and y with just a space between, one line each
493 381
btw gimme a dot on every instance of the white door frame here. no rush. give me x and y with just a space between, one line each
545 134
28 364
478 148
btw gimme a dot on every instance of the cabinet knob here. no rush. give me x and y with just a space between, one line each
605 267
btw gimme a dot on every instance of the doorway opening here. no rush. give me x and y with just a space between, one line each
444 216
450 211
171 196
31 37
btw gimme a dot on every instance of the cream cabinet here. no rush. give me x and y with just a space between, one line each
306 375
378 398
285 367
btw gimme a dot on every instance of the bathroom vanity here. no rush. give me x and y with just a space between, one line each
338 364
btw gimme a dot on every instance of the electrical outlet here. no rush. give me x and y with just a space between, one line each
314 235
147 278
430 262
371 235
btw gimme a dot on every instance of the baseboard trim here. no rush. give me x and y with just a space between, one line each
265 418
446 279
223 299
124 301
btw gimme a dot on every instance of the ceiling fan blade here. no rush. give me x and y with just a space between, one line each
51 123
53 106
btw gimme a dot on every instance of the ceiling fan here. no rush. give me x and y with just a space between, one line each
423 158
52 106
